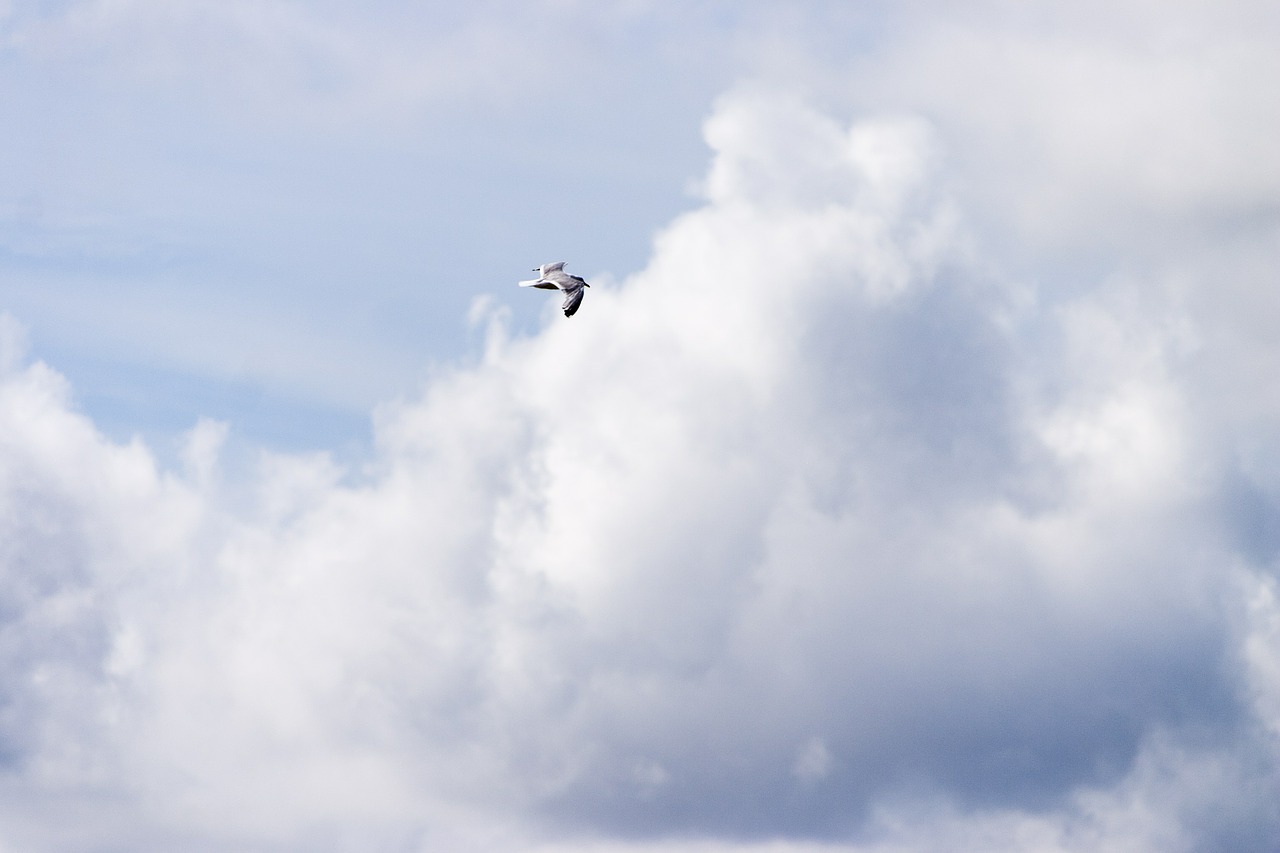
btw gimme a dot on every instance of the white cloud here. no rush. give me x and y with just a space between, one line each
1097 126
272 67
825 530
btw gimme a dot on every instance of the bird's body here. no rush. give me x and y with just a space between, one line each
553 277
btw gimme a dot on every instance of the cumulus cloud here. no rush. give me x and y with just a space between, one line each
830 527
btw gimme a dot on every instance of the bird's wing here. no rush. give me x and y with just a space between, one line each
572 299
563 280
540 283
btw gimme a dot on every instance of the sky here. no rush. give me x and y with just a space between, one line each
908 480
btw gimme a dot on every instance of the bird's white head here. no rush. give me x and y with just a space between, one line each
546 268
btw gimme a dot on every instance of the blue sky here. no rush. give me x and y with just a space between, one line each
281 213
907 480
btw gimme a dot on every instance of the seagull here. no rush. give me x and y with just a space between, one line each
553 277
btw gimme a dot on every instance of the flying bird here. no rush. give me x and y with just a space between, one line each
553 277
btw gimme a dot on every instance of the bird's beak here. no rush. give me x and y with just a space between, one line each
584 284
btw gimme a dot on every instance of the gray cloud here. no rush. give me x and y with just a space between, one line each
832 526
